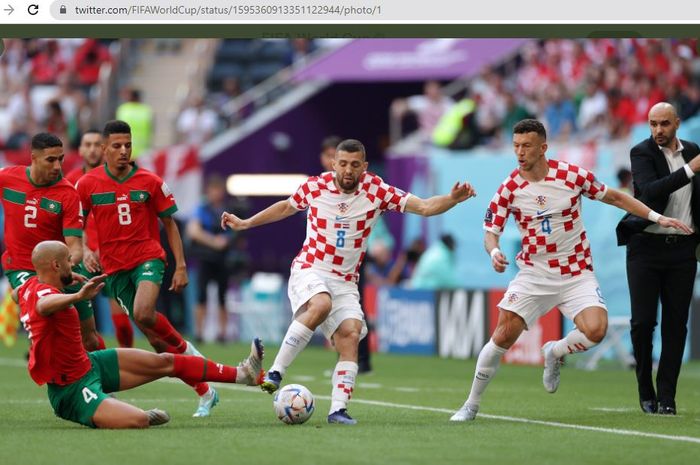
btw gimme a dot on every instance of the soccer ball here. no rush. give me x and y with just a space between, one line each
294 404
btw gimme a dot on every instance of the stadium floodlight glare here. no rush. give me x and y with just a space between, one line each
264 184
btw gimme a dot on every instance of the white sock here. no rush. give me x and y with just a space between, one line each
343 384
297 337
574 342
486 367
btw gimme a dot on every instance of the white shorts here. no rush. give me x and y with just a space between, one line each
345 298
531 298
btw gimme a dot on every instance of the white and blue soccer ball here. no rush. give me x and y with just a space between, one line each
294 404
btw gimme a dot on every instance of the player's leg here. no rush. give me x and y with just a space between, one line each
581 301
115 414
122 325
221 288
201 306
311 302
509 327
346 339
138 367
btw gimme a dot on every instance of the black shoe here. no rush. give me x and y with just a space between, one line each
667 408
648 406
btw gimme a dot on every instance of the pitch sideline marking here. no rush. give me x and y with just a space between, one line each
555 424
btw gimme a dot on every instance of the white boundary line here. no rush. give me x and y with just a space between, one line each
554 424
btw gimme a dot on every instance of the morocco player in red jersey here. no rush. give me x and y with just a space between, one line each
78 382
40 205
556 267
342 208
90 150
126 202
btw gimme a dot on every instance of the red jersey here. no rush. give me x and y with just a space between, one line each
56 353
126 215
90 229
34 214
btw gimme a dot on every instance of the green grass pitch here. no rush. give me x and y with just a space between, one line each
403 409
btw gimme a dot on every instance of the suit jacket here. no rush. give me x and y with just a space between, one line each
653 183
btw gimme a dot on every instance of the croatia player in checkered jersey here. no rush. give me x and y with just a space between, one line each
342 206
556 269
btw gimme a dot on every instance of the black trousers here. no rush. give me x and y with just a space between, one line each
660 267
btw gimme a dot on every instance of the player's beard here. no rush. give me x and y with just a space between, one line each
67 279
347 185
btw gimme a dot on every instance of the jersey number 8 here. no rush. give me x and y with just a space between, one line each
124 212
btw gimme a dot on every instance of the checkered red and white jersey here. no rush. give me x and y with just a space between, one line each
338 224
548 215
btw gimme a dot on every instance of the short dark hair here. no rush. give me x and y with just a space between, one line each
330 142
352 146
91 131
45 140
530 125
116 127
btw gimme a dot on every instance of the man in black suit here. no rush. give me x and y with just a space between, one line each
661 263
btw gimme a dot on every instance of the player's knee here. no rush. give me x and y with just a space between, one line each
144 318
166 361
597 333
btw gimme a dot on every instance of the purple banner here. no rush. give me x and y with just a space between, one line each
364 60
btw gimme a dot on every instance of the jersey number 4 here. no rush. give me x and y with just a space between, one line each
124 212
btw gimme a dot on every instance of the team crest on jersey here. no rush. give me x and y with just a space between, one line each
343 207
541 200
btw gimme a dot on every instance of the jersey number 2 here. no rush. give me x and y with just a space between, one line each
124 212
30 212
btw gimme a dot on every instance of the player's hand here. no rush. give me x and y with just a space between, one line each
667 222
180 280
232 221
499 262
91 260
220 242
78 278
92 287
462 192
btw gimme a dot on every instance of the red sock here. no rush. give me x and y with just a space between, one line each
100 342
123 329
192 369
165 331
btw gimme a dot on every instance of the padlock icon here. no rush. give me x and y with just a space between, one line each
62 9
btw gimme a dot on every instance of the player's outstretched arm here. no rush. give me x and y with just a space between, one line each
440 203
275 212
498 259
180 279
631 205
53 303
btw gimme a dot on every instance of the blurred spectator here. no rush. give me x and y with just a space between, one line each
514 113
491 105
88 60
300 51
457 128
427 108
560 113
327 156
593 108
213 249
48 63
436 268
381 270
56 121
621 112
140 118
197 123
230 90
624 179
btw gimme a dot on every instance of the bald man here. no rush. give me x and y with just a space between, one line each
661 262
77 380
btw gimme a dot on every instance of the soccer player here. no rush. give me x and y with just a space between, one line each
91 152
556 268
40 205
79 381
342 205
126 202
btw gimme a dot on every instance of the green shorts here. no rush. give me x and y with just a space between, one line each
121 286
78 401
84 307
